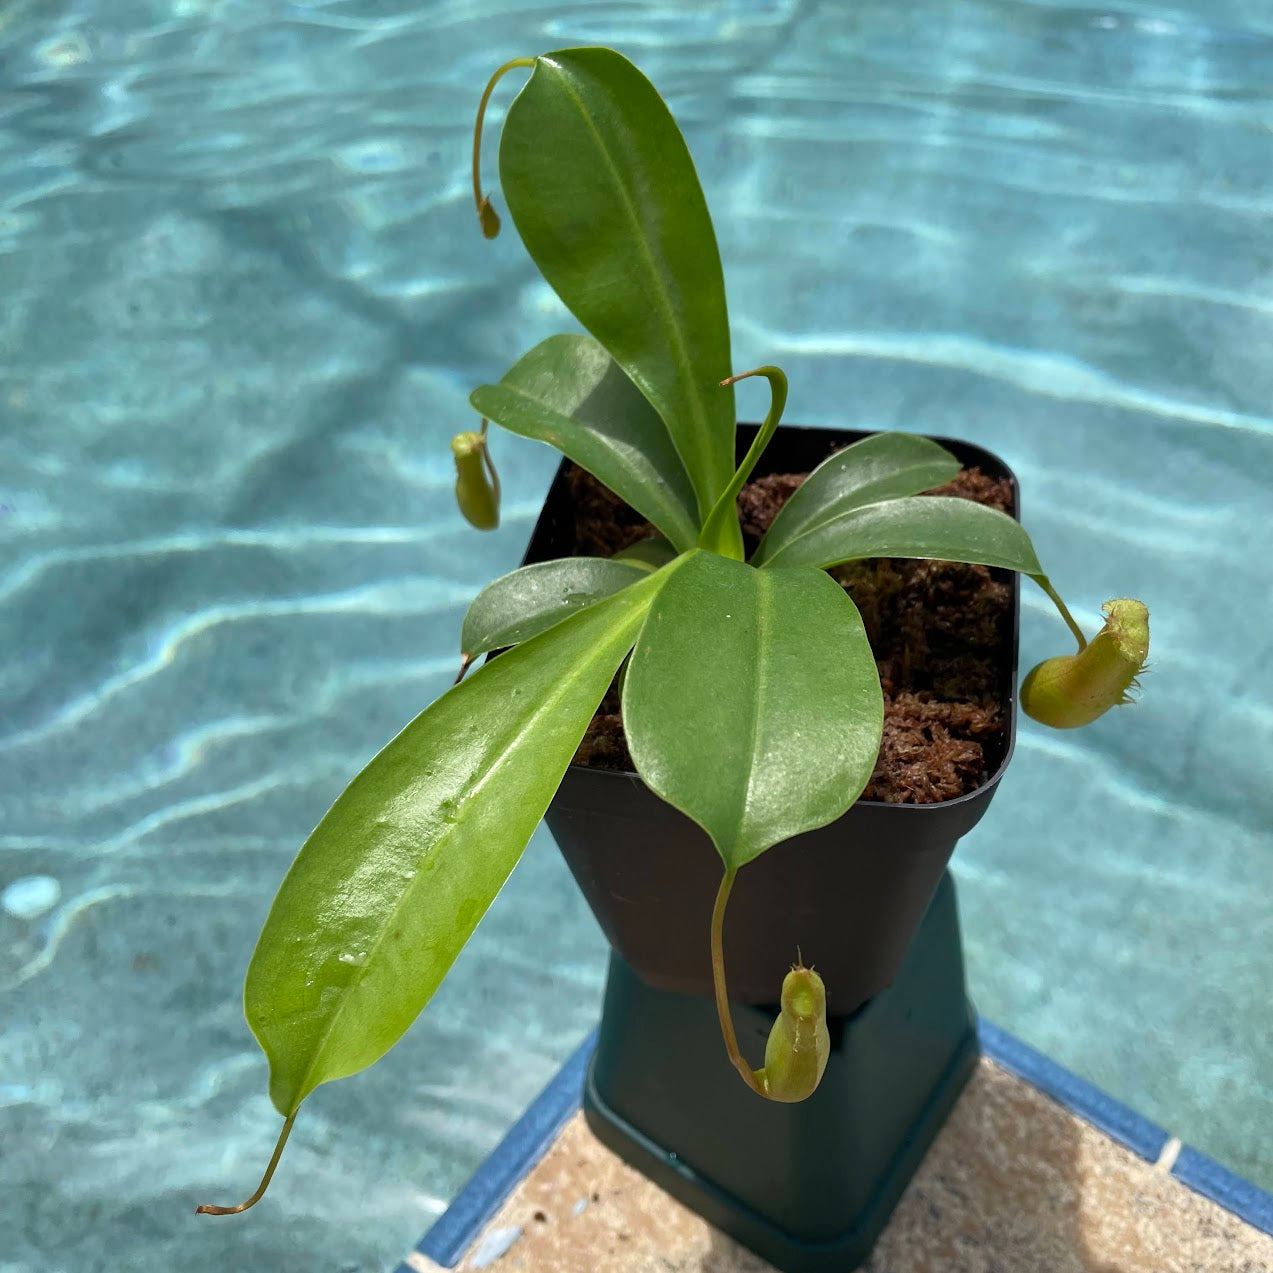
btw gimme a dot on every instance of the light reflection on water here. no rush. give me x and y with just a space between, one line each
245 301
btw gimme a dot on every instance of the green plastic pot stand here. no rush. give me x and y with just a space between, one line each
809 1186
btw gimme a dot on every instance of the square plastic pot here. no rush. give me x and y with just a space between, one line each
849 895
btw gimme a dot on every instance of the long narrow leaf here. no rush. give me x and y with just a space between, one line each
752 702
570 393
933 526
603 191
394 879
884 466
531 600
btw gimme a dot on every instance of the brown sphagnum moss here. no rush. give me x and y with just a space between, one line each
940 631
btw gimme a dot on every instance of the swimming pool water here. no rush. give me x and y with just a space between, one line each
245 300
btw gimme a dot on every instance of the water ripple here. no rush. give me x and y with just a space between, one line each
249 301
204 541
1038 371
414 599
59 925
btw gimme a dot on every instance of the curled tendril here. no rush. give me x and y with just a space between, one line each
209 1210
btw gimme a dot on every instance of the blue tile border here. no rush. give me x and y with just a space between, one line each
459 1226
1119 1123
1206 1176
526 1143
1203 1175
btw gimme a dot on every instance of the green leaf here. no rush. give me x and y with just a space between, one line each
933 526
394 879
570 393
528 601
752 702
603 191
885 466
649 554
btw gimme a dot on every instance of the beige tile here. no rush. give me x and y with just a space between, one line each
1014 1184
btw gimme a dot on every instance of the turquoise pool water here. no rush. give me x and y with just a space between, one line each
244 303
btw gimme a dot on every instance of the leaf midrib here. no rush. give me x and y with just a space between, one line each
853 512
757 699
813 523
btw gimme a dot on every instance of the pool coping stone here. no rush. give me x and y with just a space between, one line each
530 1138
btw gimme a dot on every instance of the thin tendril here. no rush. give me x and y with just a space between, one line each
486 215
209 1210
715 534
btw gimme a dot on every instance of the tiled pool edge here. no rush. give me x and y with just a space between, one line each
1120 1123
534 1133
1144 1138
527 1141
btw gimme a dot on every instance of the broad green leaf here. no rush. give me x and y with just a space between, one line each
394 879
603 192
885 466
752 702
570 393
528 601
934 526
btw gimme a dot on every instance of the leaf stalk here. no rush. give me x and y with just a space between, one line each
719 985
1055 597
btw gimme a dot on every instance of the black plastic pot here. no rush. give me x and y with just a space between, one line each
868 899
850 895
